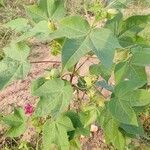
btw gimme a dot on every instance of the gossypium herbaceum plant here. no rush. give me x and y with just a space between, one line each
123 55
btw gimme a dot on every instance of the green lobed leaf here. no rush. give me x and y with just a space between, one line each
55 132
105 44
122 111
120 105
128 71
99 69
55 95
15 65
54 9
134 130
72 27
73 50
127 30
16 122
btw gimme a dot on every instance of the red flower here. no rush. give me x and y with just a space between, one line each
28 109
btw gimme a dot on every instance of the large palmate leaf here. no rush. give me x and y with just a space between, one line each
16 122
55 132
72 27
122 111
128 30
119 105
99 69
15 65
101 41
73 50
105 44
55 95
54 9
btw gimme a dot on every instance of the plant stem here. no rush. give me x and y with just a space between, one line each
82 64
73 73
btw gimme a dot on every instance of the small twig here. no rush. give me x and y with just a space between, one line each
73 73
82 64
45 61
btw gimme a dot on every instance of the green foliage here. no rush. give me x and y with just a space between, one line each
18 25
16 122
55 132
123 56
55 95
15 64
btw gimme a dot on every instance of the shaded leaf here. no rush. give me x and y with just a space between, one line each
122 111
100 70
73 50
105 44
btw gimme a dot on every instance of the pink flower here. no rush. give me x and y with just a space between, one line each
28 109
